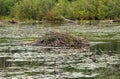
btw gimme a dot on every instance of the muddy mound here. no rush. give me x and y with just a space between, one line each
55 39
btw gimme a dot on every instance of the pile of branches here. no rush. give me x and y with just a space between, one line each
55 39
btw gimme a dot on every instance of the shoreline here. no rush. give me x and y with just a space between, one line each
79 22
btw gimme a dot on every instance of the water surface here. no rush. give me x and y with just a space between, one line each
101 61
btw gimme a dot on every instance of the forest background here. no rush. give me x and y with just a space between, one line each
54 9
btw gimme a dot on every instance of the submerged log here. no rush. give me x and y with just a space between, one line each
55 39
116 20
68 20
13 22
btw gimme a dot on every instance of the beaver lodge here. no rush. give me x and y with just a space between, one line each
55 39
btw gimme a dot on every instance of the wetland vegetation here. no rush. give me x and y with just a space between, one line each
21 61
52 10
35 36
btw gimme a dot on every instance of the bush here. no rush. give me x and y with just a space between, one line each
32 9
5 6
54 9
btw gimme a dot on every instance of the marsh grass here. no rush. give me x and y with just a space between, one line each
109 73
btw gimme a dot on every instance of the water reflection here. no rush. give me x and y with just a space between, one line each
109 46
38 62
31 62
4 63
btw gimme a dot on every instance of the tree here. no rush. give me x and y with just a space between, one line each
32 9
6 5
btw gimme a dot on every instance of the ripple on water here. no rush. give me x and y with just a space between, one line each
32 62
51 63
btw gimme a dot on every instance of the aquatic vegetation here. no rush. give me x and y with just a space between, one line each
64 63
21 61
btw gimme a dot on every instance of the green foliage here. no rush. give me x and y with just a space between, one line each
32 9
54 9
6 5
114 9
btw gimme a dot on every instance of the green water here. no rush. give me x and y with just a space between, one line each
108 46
19 61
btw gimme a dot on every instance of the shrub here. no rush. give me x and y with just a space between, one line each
5 6
32 9
54 9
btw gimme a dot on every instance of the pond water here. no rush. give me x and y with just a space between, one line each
20 61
